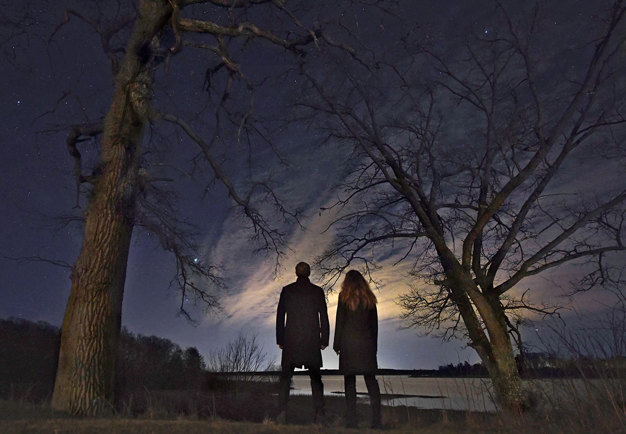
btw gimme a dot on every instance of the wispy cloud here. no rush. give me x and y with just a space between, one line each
255 287
253 284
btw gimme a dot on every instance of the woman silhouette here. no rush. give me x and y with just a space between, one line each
356 342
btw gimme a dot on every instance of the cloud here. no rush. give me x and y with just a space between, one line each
254 291
255 287
253 284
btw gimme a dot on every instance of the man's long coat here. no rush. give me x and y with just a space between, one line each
356 339
302 324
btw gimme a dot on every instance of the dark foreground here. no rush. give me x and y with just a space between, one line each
23 417
18 417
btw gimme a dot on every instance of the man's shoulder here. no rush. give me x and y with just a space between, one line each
290 286
318 288
298 285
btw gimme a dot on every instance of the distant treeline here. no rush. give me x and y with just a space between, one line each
532 365
460 370
29 354
28 358
537 365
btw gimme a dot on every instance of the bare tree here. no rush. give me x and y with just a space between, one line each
460 166
242 355
125 186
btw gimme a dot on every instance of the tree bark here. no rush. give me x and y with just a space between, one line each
91 326
494 347
505 377
503 369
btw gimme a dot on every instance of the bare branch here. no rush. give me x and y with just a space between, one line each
243 29
525 268
26 259
270 236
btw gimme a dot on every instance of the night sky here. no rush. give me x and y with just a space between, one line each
50 84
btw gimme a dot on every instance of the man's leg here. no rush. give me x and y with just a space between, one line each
317 390
283 394
349 384
374 392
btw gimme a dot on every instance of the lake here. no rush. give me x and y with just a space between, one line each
422 392
472 394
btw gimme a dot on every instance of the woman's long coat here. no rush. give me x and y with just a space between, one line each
306 327
356 340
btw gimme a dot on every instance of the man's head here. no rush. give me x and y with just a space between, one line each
303 269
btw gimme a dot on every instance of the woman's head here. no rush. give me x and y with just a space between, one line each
356 292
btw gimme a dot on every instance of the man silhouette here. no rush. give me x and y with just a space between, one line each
302 337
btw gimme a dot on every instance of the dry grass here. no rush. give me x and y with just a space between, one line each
21 417
576 406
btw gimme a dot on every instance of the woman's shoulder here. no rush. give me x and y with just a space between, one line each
359 310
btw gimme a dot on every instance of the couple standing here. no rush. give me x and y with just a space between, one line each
305 331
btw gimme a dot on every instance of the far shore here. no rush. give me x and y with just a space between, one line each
422 373
383 371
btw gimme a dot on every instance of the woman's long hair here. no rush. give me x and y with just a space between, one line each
355 292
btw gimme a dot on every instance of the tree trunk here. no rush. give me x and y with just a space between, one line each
497 356
503 370
494 347
506 380
91 326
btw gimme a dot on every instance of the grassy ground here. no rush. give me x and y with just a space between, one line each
21 417
251 408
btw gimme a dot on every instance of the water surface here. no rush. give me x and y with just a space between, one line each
422 392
